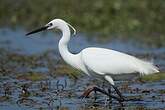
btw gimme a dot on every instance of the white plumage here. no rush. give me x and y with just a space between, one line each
98 62
113 62
106 62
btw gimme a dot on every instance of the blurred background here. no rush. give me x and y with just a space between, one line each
142 20
33 74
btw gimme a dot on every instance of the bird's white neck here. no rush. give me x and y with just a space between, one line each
63 46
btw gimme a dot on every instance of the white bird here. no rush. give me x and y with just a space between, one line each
97 62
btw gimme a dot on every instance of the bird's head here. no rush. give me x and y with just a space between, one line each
56 23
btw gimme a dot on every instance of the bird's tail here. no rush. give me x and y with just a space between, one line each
147 67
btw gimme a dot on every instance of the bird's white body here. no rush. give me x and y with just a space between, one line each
114 62
99 62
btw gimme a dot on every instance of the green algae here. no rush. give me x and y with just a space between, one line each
153 77
64 69
32 76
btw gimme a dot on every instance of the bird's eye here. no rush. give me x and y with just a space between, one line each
50 24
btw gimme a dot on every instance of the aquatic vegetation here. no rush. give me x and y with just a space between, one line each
4 98
162 91
25 66
32 76
67 70
153 77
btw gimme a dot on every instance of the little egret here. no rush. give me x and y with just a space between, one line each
100 63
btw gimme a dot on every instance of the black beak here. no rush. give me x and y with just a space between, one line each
37 30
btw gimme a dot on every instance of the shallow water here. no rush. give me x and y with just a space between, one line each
62 92
43 41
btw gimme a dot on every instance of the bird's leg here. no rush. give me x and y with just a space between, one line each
88 91
110 98
110 95
122 98
118 92
110 80
95 94
120 95
110 92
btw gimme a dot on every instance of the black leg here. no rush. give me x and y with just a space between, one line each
87 92
110 92
118 92
122 97
110 95
95 95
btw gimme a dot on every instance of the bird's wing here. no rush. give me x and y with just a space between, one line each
113 62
